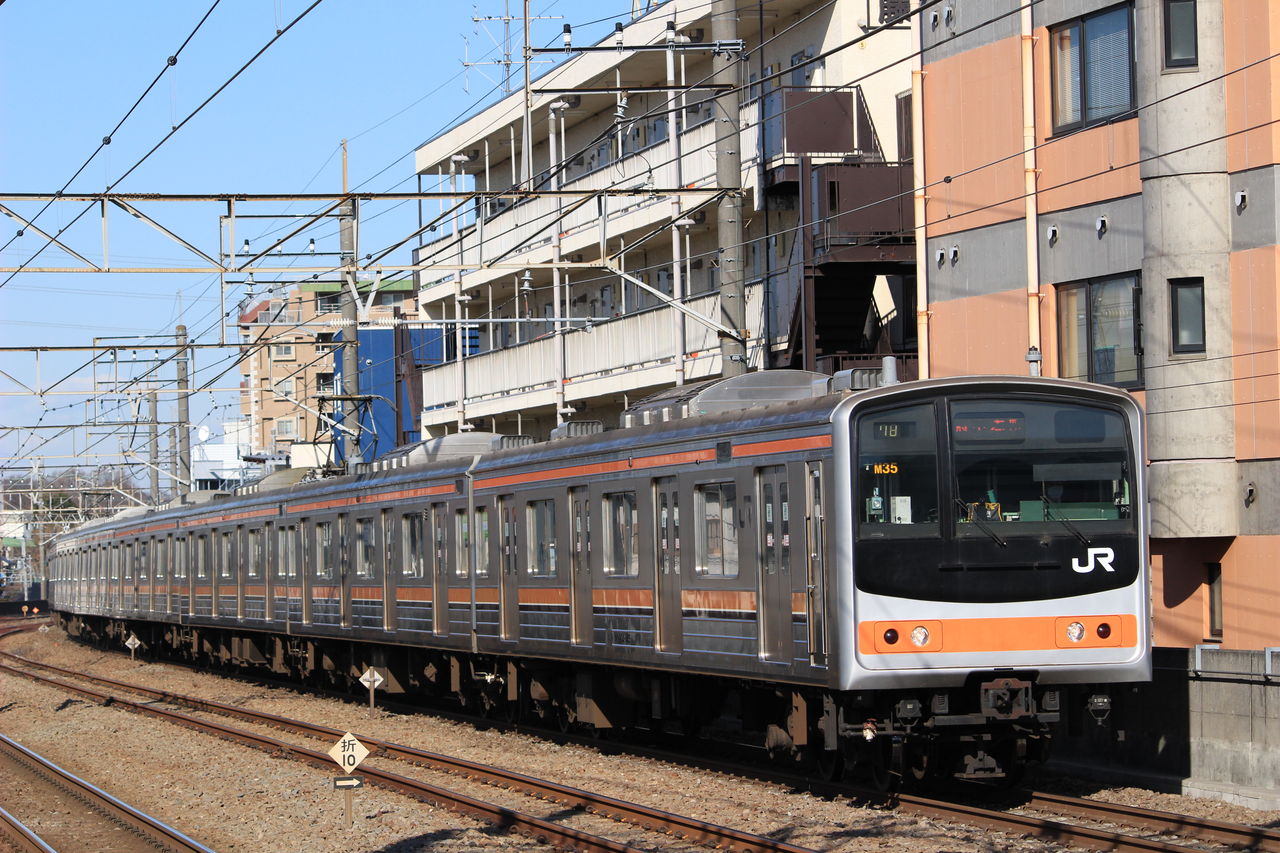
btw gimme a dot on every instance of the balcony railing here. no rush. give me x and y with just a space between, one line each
622 353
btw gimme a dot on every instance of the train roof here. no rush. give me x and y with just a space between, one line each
755 402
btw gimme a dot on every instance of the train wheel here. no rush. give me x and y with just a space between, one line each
830 764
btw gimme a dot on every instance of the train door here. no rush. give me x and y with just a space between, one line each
390 567
580 567
670 628
440 568
815 564
346 558
269 568
509 570
774 609
289 587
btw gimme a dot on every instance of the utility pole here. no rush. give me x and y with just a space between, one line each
184 413
733 308
153 447
350 333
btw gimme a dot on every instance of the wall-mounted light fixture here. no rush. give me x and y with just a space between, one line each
1100 225
1242 200
940 256
948 15
954 254
1051 234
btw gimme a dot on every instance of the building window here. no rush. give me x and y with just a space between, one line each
1100 331
286 428
325 341
1213 582
328 303
285 387
1180 34
325 384
1092 68
1186 305
282 352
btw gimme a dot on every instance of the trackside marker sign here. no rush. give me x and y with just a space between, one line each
348 752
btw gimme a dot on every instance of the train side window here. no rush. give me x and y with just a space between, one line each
225 556
412 536
439 547
482 541
162 557
202 557
462 532
716 530
180 559
541 523
253 559
128 561
365 546
462 536
325 554
282 553
510 548
621 535
142 560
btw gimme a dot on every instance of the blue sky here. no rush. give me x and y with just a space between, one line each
384 74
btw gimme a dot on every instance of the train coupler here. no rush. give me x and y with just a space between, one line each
1006 698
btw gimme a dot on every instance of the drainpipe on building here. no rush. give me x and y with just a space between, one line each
917 179
1032 212
557 279
677 260
728 120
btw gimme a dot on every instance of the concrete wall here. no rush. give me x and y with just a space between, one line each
1216 733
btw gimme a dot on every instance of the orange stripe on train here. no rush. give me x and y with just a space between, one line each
1017 634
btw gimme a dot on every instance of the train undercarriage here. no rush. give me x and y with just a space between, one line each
989 730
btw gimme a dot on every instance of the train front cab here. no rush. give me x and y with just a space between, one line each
996 573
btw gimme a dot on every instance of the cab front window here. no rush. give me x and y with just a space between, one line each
897 473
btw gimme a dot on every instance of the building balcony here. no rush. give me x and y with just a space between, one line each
624 355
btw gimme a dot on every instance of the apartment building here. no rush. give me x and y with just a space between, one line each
283 378
588 300
1100 203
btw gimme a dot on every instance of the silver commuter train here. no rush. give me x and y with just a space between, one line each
914 579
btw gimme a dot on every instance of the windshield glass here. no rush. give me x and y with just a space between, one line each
1022 466
897 473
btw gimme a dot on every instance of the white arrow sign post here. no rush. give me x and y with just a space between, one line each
133 642
348 752
371 679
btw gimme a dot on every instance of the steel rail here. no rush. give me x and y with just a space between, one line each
17 835
1241 837
1238 837
615 809
155 831
610 807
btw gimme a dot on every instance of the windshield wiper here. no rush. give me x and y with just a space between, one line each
1075 531
982 525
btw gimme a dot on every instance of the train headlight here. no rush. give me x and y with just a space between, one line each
1075 632
920 635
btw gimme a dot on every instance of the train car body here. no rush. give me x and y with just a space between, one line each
920 577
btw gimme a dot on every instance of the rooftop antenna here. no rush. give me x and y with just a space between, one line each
506 62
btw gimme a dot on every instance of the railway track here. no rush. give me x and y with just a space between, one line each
1094 824
571 799
48 808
